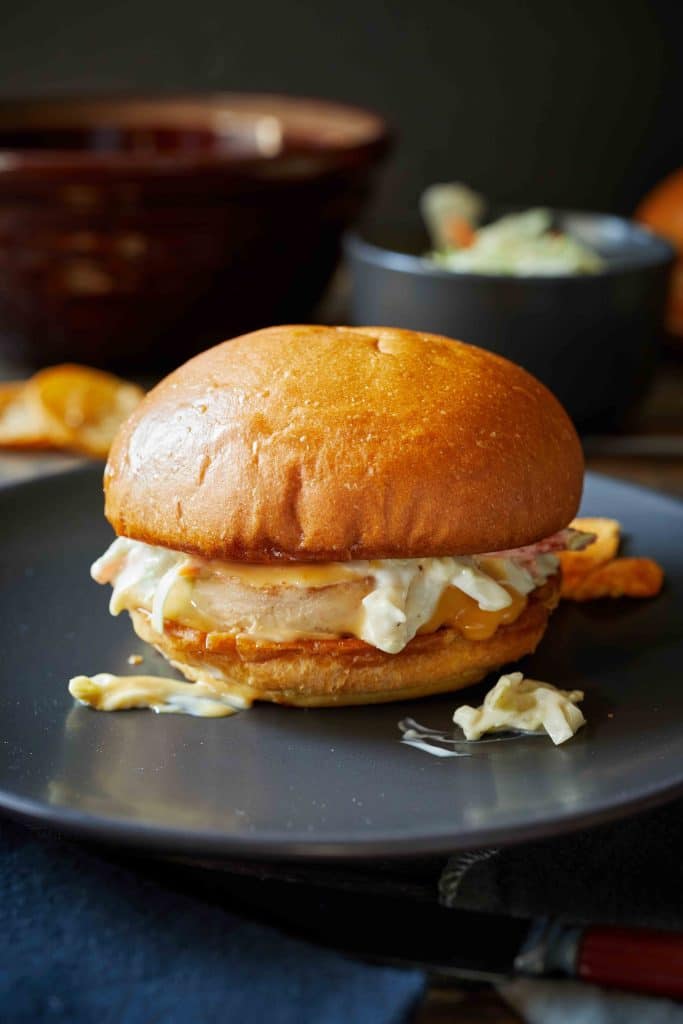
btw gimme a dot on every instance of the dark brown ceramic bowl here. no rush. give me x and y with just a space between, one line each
134 232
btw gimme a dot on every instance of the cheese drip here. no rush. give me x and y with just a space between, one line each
383 602
106 692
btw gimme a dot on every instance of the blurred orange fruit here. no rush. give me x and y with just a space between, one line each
662 211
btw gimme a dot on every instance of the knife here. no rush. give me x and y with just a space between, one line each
637 960
466 945
401 924
633 959
493 948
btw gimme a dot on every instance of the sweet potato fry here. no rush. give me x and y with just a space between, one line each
622 577
578 564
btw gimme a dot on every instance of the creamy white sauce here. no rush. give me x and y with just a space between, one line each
520 579
422 738
163 592
415 741
446 744
106 692
403 596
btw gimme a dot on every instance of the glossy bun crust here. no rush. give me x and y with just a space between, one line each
334 443
323 673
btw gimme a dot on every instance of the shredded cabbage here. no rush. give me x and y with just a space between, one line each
520 244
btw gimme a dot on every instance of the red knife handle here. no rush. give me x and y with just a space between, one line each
638 961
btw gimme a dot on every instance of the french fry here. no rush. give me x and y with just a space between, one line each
83 408
622 577
578 564
21 425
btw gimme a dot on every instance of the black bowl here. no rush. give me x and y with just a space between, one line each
592 338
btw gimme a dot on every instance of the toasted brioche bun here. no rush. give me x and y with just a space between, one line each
319 673
334 443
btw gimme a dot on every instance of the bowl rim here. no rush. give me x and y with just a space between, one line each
656 252
329 133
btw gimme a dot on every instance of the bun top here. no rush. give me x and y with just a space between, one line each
333 443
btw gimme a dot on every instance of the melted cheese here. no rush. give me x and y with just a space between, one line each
462 612
299 574
384 602
106 692
516 703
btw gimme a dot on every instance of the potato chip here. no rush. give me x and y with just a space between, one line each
578 564
8 392
83 408
622 577
21 426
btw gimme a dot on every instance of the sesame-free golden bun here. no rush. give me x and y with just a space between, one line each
311 443
323 673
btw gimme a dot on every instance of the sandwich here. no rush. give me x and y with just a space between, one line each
319 515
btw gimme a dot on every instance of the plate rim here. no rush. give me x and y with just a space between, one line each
212 844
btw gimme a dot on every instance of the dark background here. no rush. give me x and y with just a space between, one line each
566 103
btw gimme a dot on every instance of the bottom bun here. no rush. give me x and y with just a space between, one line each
316 673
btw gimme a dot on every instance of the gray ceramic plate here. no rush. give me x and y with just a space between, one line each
277 782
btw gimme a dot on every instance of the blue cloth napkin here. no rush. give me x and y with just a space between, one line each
84 940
